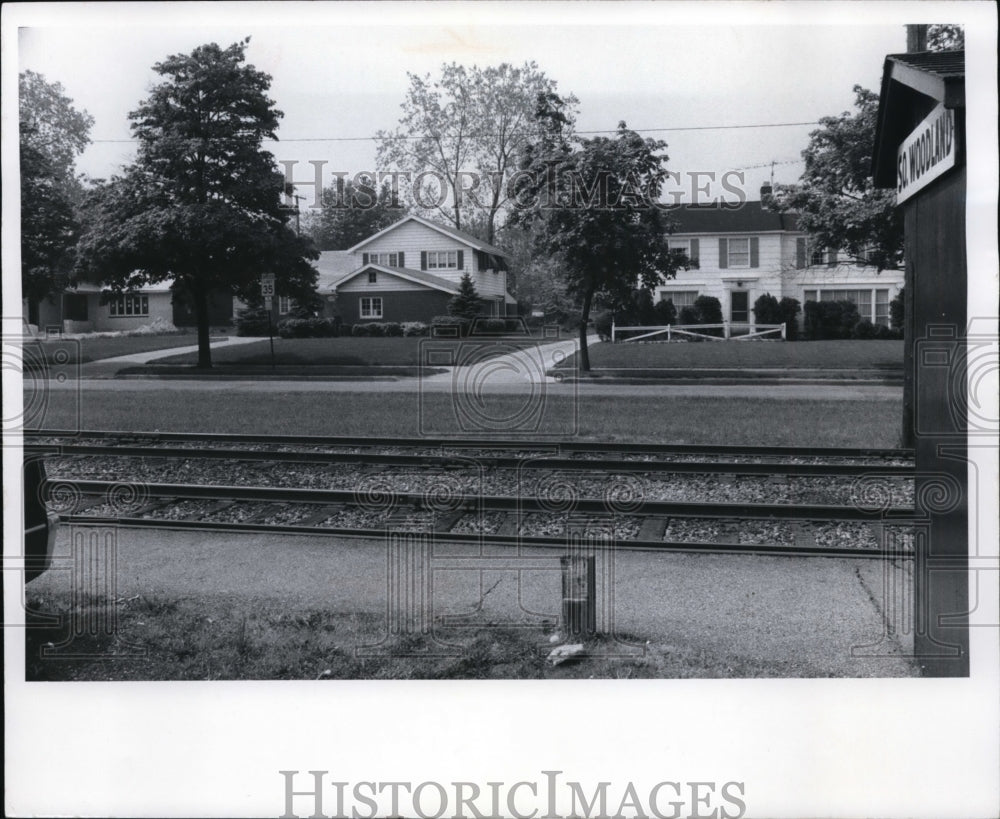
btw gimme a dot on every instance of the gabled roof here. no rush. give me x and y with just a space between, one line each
459 235
750 217
333 265
415 276
912 85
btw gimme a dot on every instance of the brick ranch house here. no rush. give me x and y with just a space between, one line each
86 308
746 252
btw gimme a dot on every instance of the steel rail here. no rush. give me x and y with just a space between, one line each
486 461
420 501
555 447
513 542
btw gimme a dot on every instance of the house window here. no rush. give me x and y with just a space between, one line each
680 298
882 307
372 277
739 253
388 259
284 305
816 257
371 307
442 260
129 306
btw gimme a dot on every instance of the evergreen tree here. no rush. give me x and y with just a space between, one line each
466 304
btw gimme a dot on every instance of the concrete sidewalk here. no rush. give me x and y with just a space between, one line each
522 367
787 616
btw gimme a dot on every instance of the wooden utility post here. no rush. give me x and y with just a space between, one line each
579 596
267 291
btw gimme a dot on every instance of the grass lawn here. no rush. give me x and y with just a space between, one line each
851 355
82 350
246 639
745 421
343 351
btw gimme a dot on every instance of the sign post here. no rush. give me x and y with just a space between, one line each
267 291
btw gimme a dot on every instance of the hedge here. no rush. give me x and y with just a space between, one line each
309 328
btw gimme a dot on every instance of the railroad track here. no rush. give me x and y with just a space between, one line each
450 514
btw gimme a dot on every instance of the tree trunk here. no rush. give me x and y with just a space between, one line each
200 298
584 318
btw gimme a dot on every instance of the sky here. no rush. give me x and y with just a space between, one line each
338 77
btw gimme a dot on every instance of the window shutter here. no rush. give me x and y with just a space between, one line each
364 258
423 259
402 259
754 251
800 253
461 260
694 251
723 254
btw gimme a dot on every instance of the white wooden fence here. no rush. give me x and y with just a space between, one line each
731 331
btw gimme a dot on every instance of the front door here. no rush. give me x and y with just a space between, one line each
739 306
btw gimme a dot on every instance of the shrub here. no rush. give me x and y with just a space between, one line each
709 311
461 325
664 312
864 329
830 319
882 333
766 310
897 311
392 329
372 328
688 315
491 326
309 328
788 310
252 321
415 328
602 324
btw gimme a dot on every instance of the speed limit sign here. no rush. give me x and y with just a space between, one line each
267 285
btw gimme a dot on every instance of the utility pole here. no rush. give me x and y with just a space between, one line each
297 198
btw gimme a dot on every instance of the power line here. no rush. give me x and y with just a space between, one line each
604 131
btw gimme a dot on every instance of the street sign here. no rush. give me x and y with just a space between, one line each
926 153
267 285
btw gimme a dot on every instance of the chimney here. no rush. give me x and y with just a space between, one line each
765 191
916 38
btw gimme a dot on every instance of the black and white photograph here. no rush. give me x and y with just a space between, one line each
535 409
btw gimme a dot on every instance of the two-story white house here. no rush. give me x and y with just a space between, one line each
748 251
410 271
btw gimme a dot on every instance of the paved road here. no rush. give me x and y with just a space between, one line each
814 614
460 383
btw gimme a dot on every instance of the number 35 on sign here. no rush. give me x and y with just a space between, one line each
267 285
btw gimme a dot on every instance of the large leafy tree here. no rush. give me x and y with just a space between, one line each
52 133
464 131
836 201
351 213
203 202
596 211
